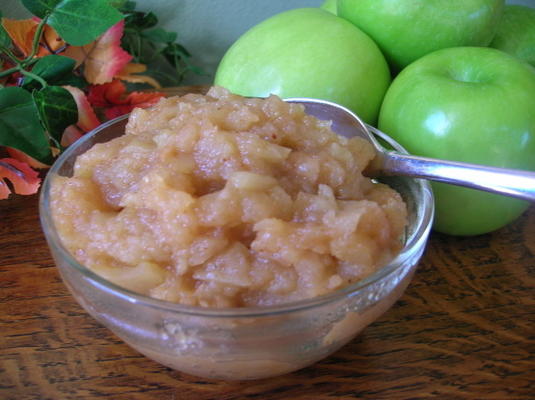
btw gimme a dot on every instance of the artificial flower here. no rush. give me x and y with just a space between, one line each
115 101
22 32
24 180
103 58
25 158
70 135
130 74
87 119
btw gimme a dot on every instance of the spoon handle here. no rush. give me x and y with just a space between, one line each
509 182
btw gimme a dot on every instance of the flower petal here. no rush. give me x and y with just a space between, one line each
113 98
144 99
70 135
21 33
4 190
103 58
79 53
51 42
127 74
25 158
107 94
23 179
87 119
134 100
117 111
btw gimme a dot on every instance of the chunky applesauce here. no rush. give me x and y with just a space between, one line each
225 201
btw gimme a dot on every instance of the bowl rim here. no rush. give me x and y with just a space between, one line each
415 239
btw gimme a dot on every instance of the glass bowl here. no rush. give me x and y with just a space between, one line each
239 343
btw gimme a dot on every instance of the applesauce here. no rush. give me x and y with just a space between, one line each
225 201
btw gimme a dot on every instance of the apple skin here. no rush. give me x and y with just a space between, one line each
516 33
406 30
308 52
330 5
468 104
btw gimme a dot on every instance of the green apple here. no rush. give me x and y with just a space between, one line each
308 52
406 30
516 33
470 104
330 5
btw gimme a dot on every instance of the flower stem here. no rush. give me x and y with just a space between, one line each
10 55
34 76
37 38
9 71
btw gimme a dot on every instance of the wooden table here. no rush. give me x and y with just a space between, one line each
464 329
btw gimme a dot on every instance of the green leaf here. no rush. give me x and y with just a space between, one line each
128 6
54 69
138 21
175 52
197 70
40 7
20 126
57 109
159 35
120 4
78 22
72 80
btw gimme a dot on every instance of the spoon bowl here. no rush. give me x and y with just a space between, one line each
509 182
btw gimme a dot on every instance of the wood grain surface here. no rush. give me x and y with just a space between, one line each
464 329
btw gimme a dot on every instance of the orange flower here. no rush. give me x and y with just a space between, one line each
103 58
129 74
22 32
116 102
87 119
23 179
70 135
25 158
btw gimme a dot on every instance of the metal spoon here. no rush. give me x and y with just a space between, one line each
509 182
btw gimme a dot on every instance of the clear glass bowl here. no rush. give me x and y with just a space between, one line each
244 343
